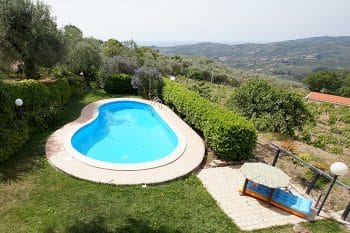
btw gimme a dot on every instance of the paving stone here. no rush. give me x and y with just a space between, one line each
246 212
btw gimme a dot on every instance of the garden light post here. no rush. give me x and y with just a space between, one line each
338 169
19 103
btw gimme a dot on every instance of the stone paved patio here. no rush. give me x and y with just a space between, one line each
247 212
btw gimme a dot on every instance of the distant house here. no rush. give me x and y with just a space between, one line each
334 99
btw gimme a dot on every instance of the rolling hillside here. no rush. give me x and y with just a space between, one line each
289 59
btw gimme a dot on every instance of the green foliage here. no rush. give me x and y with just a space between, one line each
14 133
41 106
119 84
324 81
112 48
271 108
148 82
228 134
72 35
61 71
29 34
85 57
119 64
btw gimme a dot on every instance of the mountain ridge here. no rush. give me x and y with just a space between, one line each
291 59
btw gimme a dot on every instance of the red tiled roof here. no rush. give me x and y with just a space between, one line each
328 98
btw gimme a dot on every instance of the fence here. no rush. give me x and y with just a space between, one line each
317 174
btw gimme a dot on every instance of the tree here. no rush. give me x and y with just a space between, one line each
72 35
112 48
271 108
28 34
324 81
85 58
148 81
120 64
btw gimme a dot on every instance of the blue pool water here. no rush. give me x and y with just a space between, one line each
126 132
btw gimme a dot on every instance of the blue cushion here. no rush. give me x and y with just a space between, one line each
282 197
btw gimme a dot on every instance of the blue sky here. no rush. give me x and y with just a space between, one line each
186 21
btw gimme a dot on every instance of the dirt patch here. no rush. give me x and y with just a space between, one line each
301 175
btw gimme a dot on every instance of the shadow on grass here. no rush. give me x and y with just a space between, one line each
98 224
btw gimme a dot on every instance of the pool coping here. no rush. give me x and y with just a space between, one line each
61 158
174 155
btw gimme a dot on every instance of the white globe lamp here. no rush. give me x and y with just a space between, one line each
19 102
339 168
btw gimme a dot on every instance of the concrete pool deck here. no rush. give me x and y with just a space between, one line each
61 157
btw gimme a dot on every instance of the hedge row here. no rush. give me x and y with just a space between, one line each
118 84
230 135
42 104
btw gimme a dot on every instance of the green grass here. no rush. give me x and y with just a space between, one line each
35 197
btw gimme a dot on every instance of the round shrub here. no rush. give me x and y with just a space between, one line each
271 108
119 84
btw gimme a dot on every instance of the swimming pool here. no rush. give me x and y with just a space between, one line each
127 135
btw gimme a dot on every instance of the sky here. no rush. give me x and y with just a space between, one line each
167 22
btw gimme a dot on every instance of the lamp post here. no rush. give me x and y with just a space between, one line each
19 103
338 169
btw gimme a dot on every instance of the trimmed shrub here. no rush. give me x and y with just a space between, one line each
119 84
41 107
14 133
42 103
230 136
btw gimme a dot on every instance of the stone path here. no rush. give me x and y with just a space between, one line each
246 212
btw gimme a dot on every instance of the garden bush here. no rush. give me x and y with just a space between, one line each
41 107
120 64
14 133
230 136
271 108
118 84
148 82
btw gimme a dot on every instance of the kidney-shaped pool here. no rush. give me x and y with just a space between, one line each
127 135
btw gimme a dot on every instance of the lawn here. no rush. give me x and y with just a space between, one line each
35 197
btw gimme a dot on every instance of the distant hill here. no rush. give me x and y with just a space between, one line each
290 59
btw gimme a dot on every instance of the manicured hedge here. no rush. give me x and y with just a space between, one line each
119 84
41 108
230 135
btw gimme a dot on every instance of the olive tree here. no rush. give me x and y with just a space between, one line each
120 64
148 82
85 59
29 35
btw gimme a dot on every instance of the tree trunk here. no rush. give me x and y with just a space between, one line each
87 81
30 70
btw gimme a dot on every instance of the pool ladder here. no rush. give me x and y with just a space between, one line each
156 101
